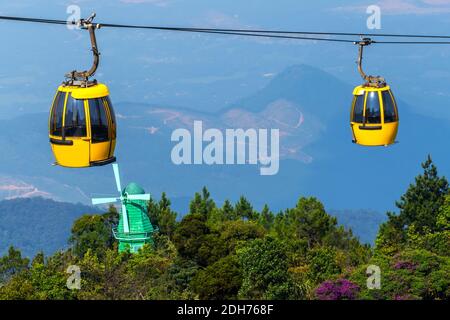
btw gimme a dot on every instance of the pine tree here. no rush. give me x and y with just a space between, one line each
228 211
161 215
266 217
202 204
419 208
245 210
166 217
12 264
421 202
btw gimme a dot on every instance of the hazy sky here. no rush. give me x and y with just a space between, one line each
208 71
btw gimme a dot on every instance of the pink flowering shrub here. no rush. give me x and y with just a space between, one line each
341 289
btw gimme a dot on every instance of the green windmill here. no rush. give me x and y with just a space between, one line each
134 229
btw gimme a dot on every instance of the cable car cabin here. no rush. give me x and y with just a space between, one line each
374 116
82 126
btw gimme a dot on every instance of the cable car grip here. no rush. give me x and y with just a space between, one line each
371 81
81 78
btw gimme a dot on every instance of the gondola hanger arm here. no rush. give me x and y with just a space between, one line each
83 76
373 81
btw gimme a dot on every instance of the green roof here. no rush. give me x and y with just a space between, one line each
133 188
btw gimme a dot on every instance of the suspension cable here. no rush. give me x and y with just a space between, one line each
278 34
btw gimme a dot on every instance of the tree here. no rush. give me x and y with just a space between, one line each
234 234
235 253
12 264
91 232
266 217
219 281
307 221
265 271
419 207
220 215
228 211
148 272
421 203
322 264
244 209
443 218
190 235
162 216
202 203
437 241
48 278
45 279
409 274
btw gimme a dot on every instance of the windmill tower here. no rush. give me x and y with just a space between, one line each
134 228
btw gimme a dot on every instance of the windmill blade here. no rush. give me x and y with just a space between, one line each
97 201
117 176
145 197
126 227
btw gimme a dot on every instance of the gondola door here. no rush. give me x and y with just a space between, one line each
99 131
70 140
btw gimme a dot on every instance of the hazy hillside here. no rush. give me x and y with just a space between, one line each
364 223
36 224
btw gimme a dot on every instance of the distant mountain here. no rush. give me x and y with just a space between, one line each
303 86
37 224
364 223
12 188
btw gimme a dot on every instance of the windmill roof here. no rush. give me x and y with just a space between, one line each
134 188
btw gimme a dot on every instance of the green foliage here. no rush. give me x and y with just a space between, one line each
104 278
266 218
202 204
413 247
220 280
244 209
237 233
196 241
322 262
308 221
191 235
45 279
228 212
234 252
162 216
421 203
443 218
419 208
265 270
12 264
411 274
93 232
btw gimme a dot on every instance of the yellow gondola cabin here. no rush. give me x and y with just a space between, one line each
374 116
82 126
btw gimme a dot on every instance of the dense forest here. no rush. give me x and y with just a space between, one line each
39 224
235 252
